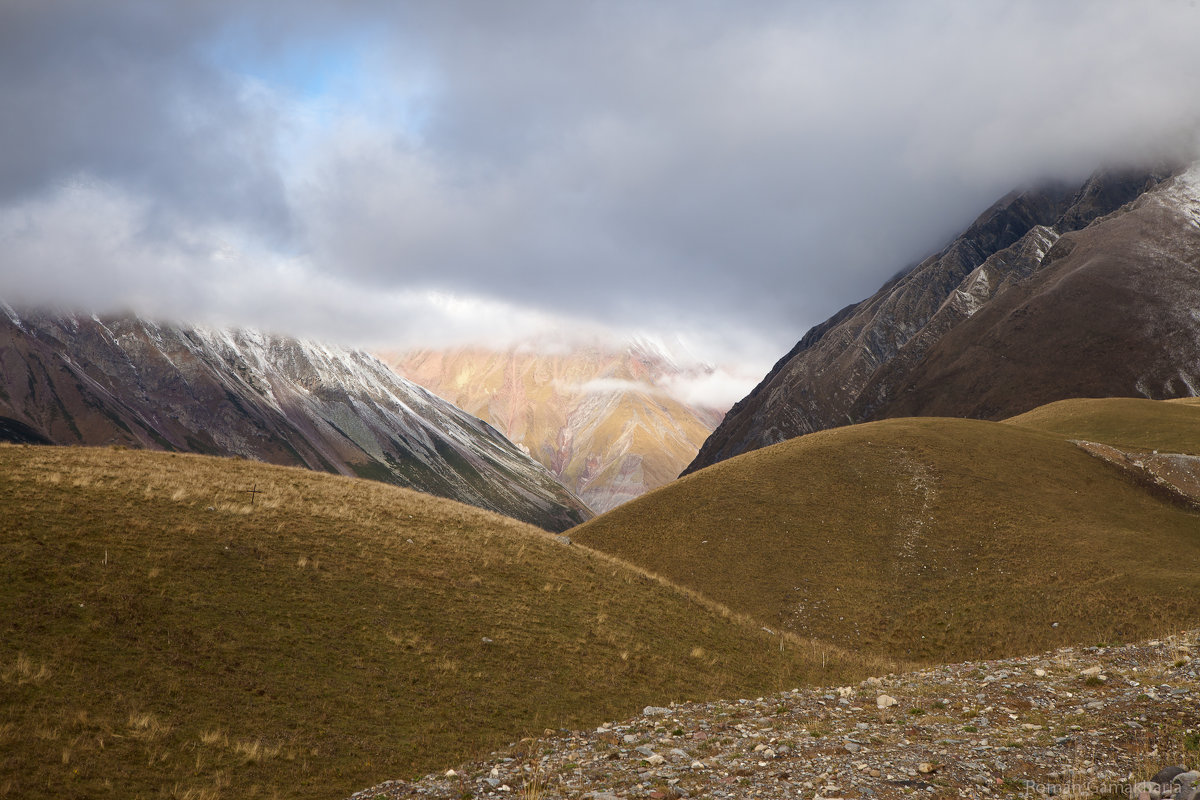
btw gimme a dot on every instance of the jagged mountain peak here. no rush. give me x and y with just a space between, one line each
942 337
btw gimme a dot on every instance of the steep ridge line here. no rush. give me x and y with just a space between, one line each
78 379
934 340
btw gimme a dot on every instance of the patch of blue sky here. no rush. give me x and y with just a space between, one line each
349 74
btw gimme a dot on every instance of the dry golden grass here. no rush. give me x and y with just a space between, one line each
166 638
924 539
25 671
1133 424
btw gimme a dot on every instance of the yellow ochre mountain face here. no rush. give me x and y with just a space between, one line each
601 419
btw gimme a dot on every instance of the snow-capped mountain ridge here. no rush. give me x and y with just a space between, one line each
73 379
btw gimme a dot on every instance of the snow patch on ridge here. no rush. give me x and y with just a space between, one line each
11 314
975 291
1182 193
254 394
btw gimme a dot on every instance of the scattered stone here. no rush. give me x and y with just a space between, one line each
979 743
1145 790
1189 785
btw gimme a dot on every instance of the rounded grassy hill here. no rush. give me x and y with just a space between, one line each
186 626
929 538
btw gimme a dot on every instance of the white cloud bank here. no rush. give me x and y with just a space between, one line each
410 173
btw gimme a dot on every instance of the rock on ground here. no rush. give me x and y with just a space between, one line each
1078 722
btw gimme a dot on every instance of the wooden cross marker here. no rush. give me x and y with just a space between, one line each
252 492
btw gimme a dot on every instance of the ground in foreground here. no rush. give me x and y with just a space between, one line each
1079 722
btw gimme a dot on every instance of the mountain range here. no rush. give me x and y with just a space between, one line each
180 625
73 379
1052 293
602 419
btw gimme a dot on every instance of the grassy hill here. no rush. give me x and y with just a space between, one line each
931 539
1171 426
169 634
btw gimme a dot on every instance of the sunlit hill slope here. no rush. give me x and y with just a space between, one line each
189 626
938 538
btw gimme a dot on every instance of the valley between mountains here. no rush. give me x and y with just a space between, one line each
949 547
603 420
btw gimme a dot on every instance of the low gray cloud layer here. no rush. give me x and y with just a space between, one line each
419 172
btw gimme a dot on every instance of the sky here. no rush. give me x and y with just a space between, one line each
394 173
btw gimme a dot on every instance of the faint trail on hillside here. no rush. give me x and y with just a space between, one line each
918 485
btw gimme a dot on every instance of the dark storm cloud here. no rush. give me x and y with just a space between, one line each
718 166
717 161
121 92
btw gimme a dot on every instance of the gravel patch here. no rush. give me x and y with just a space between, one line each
1076 722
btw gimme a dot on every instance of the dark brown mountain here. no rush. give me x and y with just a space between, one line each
1050 294
74 379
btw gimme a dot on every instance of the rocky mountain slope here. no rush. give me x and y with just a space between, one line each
1050 294
74 379
1086 722
600 419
